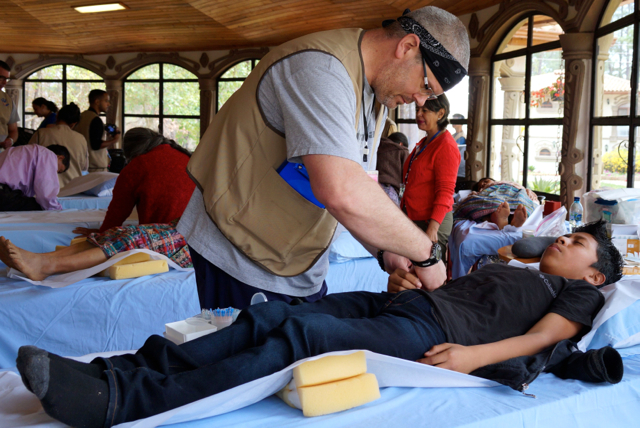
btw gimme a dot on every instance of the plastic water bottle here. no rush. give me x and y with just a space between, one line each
575 213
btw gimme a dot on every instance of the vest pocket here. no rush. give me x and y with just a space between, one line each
280 227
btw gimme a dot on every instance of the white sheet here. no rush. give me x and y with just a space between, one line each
62 280
18 407
86 182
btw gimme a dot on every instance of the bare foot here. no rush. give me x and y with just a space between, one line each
4 253
519 216
25 261
501 215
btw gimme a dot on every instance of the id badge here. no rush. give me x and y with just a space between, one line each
401 192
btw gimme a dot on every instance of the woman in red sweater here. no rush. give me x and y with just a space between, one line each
155 181
429 173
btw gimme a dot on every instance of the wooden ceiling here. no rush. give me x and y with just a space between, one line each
52 26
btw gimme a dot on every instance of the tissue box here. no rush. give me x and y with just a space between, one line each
627 245
180 332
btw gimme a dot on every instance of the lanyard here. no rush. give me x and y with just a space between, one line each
415 155
366 126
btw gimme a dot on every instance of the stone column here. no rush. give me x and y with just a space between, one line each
577 52
478 122
14 90
513 88
208 95
114 115
597 164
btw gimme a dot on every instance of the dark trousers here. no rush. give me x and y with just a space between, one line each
15 200
266 338
217 289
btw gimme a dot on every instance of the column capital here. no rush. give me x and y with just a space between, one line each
113 84
479 66
577 45
512 84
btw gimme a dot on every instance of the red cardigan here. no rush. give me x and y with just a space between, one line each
431 183
156 183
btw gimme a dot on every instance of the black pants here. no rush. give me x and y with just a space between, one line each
265 339
15 200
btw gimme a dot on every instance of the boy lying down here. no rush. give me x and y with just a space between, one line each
492 315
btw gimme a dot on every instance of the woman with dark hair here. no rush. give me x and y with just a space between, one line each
155 181
429 173
47 109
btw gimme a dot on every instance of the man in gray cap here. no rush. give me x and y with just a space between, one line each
314 107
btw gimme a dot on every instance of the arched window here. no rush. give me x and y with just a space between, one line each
164 97
545 152
232 79
527 103
61 84
615 109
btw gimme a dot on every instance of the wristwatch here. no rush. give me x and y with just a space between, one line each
436 256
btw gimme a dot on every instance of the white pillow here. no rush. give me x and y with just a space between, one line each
102 189
346 248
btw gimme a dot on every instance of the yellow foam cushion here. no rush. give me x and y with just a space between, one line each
133 258
136 270
337 396
329 369
61 247
78 240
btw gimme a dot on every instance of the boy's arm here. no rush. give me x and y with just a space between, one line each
551 329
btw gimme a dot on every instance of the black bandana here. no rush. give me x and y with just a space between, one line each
447 70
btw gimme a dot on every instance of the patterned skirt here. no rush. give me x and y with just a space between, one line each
160 237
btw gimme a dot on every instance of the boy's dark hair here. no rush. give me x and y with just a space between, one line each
399 138
476 187
95 95
5 66
610 260
69 114
442 102
45 102
61 151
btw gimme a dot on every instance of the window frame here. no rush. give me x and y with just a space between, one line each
633 120
64 81
161 81
232 79
527 121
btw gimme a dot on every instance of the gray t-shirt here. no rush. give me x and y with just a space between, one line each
14 118
309 97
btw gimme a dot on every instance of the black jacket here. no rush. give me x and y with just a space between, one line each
563 360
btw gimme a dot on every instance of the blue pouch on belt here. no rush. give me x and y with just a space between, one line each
296 176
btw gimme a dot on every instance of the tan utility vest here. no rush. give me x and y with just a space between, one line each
98 159
63 135
235 167
6 106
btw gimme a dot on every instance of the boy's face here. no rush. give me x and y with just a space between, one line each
571 256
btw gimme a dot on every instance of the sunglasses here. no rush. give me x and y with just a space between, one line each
431 95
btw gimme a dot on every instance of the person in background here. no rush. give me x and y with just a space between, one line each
461 141
8 111
429 173
400 138
92 128
62 134
47 109
391 157
28 177
155 181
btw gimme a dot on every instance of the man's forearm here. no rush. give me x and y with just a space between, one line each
108 143
359 203
13 134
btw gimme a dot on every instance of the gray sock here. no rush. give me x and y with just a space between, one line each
34 369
